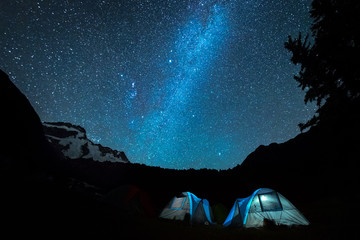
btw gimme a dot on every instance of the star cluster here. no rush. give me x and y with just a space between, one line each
175 83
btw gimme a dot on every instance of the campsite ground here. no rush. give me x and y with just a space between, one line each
55 213
70 215
141 228
49 210
328 220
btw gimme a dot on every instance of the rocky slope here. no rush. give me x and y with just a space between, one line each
74 144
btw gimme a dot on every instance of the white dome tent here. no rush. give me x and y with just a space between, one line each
264 204
198 210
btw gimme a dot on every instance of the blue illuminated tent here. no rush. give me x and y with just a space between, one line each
264 204
187 204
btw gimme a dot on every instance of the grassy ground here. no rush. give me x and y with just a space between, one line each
330 218
328 221
48 212
63 215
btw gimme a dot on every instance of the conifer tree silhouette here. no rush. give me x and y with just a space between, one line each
329 59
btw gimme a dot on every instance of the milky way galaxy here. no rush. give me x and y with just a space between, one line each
177 84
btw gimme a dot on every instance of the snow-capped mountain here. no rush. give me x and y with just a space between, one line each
73 142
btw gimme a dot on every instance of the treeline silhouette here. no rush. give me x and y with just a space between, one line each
330 69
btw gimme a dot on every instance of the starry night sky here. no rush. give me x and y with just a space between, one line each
172 83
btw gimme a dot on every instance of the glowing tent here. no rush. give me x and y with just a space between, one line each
264 204
187 204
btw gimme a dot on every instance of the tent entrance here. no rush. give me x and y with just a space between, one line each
178 203
270 202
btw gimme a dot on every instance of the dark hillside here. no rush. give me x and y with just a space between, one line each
23 144
321 161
